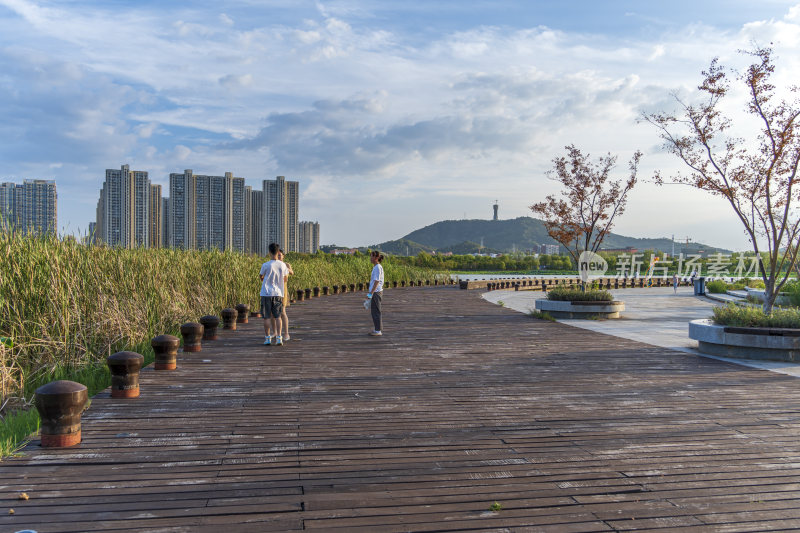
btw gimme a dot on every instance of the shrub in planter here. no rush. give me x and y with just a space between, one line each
754 317
565 294
716 286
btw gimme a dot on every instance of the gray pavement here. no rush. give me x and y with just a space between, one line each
654 316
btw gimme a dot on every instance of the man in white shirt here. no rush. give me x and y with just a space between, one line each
274 274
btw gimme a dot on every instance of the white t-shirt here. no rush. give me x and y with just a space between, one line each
273 271
377 276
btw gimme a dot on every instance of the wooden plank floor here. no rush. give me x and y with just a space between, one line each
460 404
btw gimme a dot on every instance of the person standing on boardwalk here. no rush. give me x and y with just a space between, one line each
375 294
675 283
286 297
274 274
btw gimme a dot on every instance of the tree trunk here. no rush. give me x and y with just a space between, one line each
769 296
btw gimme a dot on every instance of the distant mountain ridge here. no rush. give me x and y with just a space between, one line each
523 233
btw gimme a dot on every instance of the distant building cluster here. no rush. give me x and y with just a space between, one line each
29 207
202 212
548 249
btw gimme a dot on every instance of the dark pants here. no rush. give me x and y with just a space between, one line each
375 309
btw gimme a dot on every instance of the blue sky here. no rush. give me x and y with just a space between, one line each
391 114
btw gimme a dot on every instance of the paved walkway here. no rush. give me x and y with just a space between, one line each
654 316
460 405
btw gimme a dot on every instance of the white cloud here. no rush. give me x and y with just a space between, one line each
342 100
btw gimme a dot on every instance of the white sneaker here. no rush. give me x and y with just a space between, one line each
375 333
267 341
286 338
278 341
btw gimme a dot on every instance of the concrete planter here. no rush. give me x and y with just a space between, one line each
772 344
561 309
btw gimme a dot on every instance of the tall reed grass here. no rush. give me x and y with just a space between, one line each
64 307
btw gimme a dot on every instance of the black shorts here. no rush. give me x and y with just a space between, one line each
271 306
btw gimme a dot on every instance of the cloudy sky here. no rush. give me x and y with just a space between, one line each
392 114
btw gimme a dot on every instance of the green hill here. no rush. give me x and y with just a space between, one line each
519 234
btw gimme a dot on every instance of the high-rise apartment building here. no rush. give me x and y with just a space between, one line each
207 211
10 214
308 233
30 207
181 225
155 220
281 206
123 210
256 223
165 239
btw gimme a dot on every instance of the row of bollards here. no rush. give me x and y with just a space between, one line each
545 284
61 403
315 292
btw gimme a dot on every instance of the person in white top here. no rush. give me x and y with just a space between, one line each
274 274
286 295
375 294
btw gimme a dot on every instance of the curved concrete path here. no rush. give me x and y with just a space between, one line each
654 316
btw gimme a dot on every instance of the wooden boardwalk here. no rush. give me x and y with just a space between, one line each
461 404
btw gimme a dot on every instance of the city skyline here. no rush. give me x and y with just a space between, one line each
395 115
201 212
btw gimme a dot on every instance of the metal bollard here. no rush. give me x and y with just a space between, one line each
301 295
125 367
352 287
229 316
394 284
165 348
516 287
325 291
335 289
192 332
242 311
255 314
308 294
210 324
60 404
361 286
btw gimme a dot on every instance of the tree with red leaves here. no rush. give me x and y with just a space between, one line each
590 201
757 176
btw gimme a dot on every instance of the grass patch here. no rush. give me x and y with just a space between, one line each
717 287
541 315
754 317
566 294
16 429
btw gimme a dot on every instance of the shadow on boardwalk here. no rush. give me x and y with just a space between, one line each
461 404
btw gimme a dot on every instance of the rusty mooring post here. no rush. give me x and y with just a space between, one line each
125 367
165 348
210 323
229 316
316 292
192 332
242 311
60 404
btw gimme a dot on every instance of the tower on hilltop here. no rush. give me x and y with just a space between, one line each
495 206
